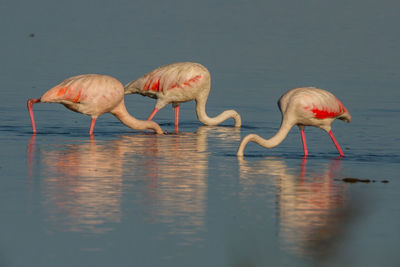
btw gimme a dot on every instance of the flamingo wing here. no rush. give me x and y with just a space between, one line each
168 77
320 103
69 90
323 104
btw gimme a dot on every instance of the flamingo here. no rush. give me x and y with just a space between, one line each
93 95
177 83
306 106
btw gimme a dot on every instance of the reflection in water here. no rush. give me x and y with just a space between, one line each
174 174
312 210
84 183
29 160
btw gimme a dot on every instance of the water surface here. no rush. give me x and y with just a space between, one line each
131 198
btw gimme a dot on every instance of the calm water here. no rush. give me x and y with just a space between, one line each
128 198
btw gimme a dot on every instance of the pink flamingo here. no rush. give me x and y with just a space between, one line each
307 106
93 95
177 83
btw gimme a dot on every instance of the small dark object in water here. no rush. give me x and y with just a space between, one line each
356 180
32 35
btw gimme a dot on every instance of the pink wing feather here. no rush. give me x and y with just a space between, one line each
68 90
328 112
324 105
168 77
321 103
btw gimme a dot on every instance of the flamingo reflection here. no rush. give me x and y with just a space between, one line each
83 183
313 210
175 175
172 172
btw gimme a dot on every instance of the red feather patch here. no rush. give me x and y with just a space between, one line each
155 86
322 114
325 113
187 83
61 91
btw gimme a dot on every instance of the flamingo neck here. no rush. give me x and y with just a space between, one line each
205 119
122 114
267 143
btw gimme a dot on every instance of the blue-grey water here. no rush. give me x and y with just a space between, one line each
131 198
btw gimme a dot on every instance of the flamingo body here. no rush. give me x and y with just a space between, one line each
177 83
306 106
93 95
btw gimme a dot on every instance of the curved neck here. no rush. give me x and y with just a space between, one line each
267 143
122 114
203 117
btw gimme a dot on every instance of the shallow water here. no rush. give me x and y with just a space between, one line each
130 198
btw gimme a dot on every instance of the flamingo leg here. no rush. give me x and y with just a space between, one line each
29 105
303 139
336 143
176 118
92 123
155 110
